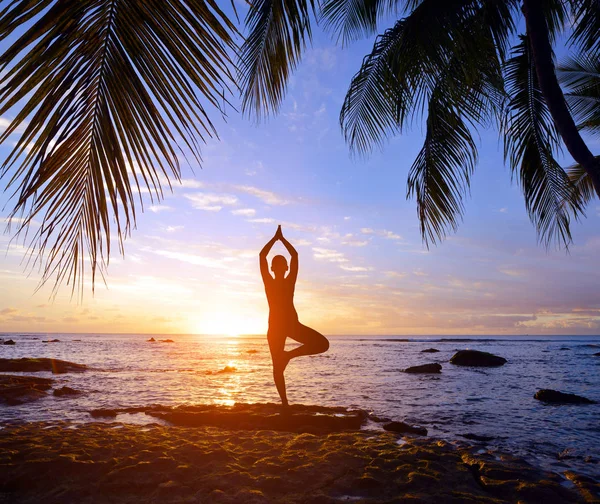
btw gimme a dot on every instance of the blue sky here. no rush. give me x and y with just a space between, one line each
191 265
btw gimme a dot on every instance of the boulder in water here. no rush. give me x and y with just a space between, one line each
51 341
430 350
151 340
425 368
476 358
556 397
103 413
597 354
16 390
166 341
30 365
65 391
405 428
8 342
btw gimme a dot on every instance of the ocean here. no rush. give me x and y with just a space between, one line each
357 372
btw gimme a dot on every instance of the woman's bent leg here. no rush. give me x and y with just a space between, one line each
313 342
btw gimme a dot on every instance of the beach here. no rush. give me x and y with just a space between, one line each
121 463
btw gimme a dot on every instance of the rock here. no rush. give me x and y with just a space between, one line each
430 350
477 437
295 418
405 428
425 368
251 351
16 390
166 341
564 348
30 365
66 391
151 340
477 359
8 342
556 397
51 341
103 413
597 354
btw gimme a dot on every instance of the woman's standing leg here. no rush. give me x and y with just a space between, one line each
280 360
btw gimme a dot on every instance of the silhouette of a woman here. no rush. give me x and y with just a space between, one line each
283 319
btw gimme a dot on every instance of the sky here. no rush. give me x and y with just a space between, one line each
191 264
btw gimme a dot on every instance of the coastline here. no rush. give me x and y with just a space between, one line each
122 463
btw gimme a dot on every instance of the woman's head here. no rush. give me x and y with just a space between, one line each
279 265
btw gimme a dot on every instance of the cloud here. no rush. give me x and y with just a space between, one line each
8 311
394 274
195 259
384 233
211 202
355 268
172 229
5 123
159 208
329 255
262 220
192 184
268 197
246 212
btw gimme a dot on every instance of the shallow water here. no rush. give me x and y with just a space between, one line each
357 372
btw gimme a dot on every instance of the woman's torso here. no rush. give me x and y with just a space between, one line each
280 295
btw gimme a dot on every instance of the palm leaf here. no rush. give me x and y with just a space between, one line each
530 140
278 31
352 19
586 26
582 182
110 90
398 77
440 175
581 74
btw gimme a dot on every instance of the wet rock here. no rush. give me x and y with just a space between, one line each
251 351
564 348
295 418
405 428
66 391
477 437
51 341
151 340
166 341
476 358
8 342
556 397
103 413
597 354
15 390
379 419
30 365
425 368
430 350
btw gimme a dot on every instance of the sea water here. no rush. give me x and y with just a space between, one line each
357 372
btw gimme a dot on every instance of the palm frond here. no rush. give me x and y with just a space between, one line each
582 182
353 19
440 175
530 141
109 90
581 73
586 26
396 80
278 32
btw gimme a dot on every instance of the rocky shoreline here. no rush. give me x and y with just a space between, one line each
123 463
